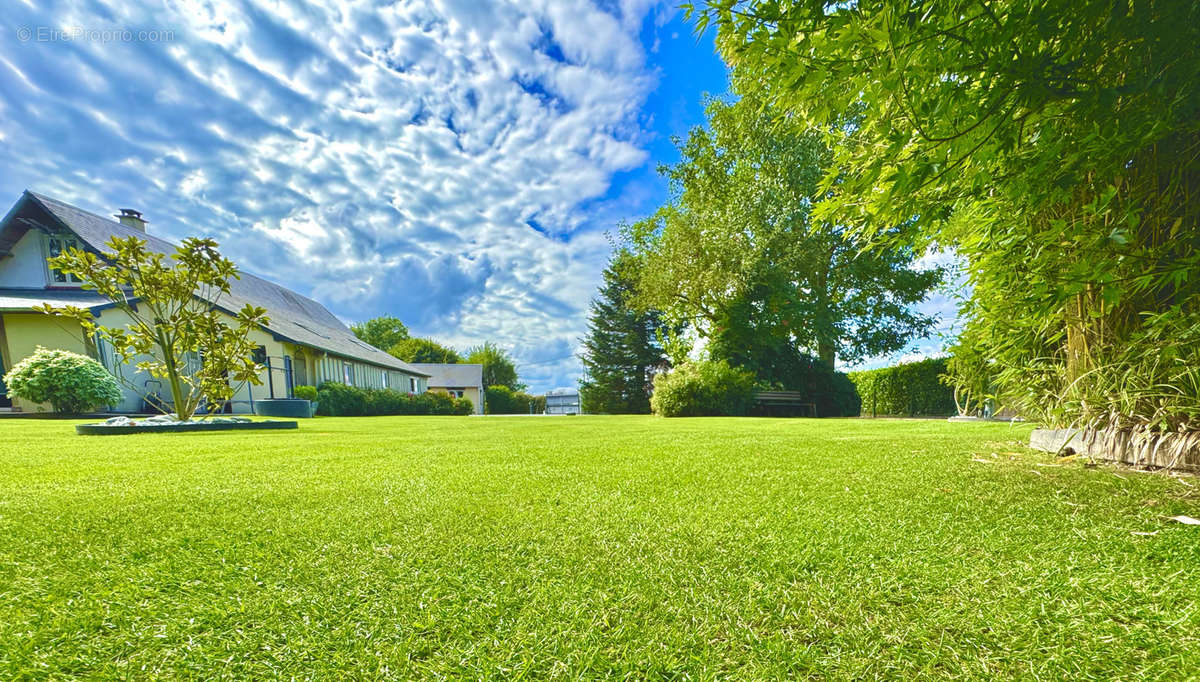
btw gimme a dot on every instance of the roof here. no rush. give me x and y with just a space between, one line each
451 375
293 317
24 299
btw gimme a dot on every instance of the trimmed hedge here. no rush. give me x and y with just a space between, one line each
503 400
340 400
910 389
709 388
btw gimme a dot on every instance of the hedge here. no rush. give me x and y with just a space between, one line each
340 400
503 400
910 389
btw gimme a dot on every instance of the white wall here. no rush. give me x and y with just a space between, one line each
26 267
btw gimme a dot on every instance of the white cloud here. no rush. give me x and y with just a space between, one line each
422 158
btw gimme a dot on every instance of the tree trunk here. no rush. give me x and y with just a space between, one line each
827 352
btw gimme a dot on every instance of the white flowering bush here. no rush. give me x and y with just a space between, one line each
70 382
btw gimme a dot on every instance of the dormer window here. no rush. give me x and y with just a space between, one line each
55 244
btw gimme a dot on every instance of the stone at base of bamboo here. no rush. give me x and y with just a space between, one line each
1169 450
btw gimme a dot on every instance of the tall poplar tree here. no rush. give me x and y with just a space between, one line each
621 352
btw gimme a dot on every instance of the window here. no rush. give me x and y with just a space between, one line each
385 378
412 385
259 355
347 374
55 245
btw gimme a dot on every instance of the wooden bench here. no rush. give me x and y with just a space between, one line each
775 402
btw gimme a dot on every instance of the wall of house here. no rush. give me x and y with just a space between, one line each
326 367
26 267
24 332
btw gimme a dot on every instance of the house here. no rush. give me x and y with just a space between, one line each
563 401
302 343
459 380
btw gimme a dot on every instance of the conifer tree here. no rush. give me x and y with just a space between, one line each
621 352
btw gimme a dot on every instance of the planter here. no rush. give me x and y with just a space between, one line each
285 407
180 427
1170 450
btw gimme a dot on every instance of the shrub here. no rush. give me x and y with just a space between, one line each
504 400
706 388
914 388
305 392
340 400
70 382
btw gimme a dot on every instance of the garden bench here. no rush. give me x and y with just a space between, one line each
793 402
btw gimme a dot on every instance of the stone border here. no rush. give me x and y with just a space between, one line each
184 427
1170 450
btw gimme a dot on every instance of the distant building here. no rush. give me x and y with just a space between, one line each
563 401
459 380
302 343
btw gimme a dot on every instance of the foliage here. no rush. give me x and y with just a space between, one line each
908 389
340 400
728 535
830 392
498 366
1052 145
504 400
69 382
621 353
176 329
382 332
416 349
305 393
738 250
706 388
971 376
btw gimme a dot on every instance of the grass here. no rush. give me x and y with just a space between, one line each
635 547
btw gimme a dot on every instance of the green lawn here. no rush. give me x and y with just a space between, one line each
446 547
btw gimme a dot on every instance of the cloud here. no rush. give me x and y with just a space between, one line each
435 160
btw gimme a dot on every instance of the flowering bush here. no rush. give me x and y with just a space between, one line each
70 382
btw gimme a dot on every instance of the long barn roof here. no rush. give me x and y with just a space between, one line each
293 317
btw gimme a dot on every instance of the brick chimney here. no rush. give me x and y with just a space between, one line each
132 218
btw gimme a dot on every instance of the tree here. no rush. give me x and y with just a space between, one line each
173 316
70 382
739 251
498 367
1052 144
416 349
621 353
382 332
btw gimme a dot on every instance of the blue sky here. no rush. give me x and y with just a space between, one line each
453 162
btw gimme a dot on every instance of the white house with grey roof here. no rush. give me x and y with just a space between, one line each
302 343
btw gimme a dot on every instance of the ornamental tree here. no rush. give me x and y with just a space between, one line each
176 329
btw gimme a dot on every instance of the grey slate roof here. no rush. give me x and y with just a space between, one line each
293 317
451 375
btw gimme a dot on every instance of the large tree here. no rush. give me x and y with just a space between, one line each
622 351
498 366
417 349
1052 143
382 332
740 253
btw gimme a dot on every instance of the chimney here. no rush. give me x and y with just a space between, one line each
132 218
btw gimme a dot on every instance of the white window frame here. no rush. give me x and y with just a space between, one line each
66 240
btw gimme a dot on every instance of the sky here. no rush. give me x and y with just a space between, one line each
459 164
